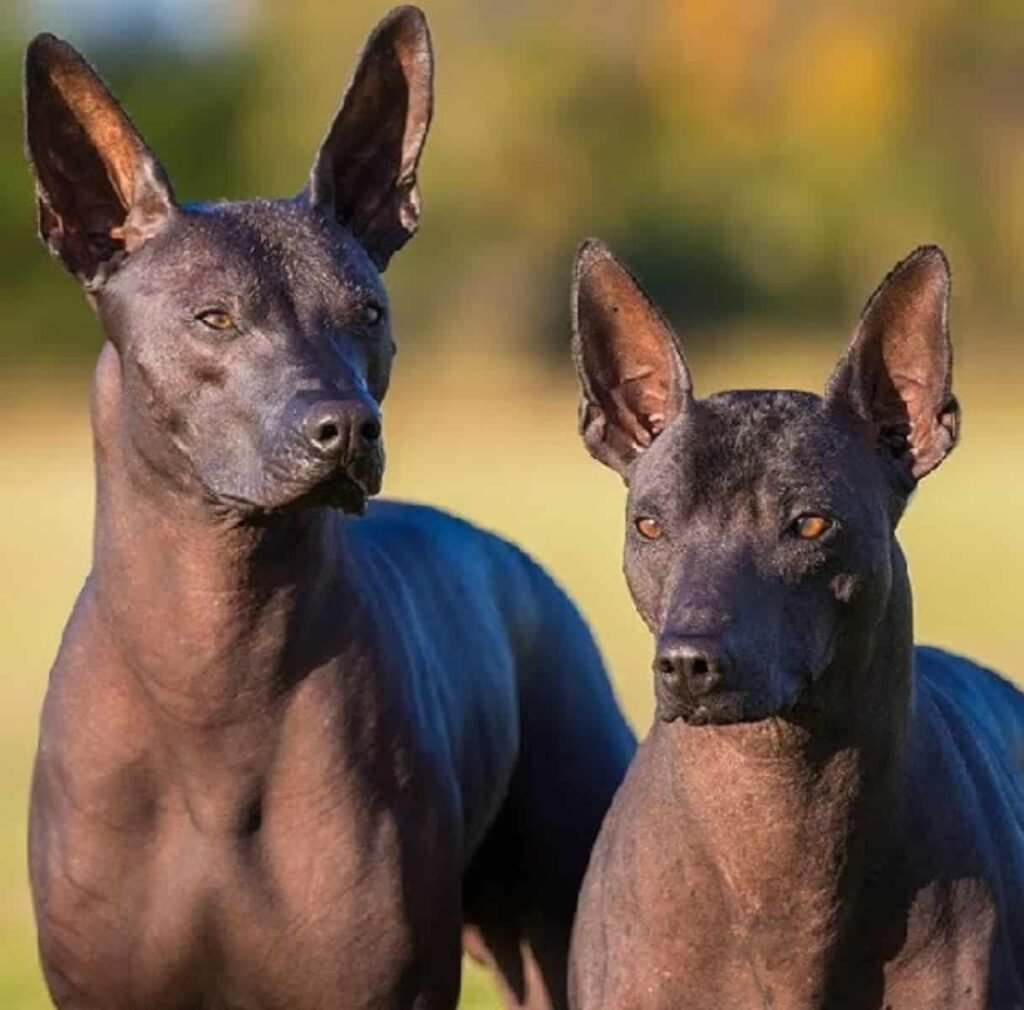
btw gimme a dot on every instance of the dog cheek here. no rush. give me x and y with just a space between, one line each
845 587
647 591
378 371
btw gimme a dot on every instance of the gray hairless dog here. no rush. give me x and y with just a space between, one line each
822 816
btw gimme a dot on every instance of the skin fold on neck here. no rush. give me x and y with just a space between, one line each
204 606
797 817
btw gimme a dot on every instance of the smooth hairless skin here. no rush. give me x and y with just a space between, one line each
289 755
823 815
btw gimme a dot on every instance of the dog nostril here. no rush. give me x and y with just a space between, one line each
700 665
328 433
665 665
370 431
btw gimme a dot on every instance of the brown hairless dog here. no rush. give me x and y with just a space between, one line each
289 753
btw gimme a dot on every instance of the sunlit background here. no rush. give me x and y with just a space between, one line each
760 163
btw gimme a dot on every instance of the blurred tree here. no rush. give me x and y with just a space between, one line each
188 110
757 159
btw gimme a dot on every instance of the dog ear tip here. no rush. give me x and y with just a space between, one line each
47 53
930 255
411 13
404 30
591 250
930 250
42 41
47 48
409 17
592 245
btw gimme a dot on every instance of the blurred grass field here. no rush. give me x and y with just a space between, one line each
760 159
495 440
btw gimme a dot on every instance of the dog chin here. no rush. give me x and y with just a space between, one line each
347 488
338 490
717 710
801 707
726 709
341 489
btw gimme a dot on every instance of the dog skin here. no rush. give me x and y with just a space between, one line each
290 757
822 816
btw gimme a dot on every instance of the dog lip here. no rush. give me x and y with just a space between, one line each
335 487
698 716
733 707
731 710
335 483
700 713
668 714
338 489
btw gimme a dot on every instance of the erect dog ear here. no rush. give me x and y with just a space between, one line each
633 378
101 193
365 172
897 373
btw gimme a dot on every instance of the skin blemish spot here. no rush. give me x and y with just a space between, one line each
844 587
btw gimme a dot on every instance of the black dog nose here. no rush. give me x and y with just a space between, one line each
335 428
695 668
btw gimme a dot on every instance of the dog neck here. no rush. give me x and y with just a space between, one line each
206 609
799 816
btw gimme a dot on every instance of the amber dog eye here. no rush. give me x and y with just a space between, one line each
649 529
216 319
810 527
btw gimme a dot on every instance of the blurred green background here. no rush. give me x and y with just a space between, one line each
760 163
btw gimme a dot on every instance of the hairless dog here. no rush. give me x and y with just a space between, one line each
289 756
822 816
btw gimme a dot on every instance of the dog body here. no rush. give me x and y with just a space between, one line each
822 816
287 755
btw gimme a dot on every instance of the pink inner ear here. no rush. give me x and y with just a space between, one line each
640 399
104 125
633 375
365 171
897 371
100 190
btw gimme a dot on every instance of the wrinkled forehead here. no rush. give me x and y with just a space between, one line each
262 248
751 449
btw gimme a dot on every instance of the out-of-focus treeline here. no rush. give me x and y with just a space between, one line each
757 159
759 163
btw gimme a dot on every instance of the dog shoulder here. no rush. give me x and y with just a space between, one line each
427 539
969 743
980 698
